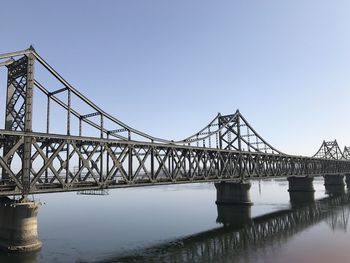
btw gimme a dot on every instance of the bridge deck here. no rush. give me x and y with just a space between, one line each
93 163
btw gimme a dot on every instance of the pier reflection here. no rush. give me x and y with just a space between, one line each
242 235
19 257
335 190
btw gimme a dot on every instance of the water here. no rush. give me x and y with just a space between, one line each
182 223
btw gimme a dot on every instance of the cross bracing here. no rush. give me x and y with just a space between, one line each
331 150
33 161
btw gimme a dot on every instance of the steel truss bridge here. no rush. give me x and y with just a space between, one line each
98 151
261 235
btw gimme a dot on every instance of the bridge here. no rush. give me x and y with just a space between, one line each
228 148
97 151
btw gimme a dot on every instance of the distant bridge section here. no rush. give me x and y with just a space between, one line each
98 151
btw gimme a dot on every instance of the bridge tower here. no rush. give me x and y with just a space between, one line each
18 113
232 192
18 218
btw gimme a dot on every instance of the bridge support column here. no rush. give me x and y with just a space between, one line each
301 189
233 193
334 184
18 225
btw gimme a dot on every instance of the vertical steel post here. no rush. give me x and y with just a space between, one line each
220 163
10 103
169 164
204 158
107 156
184 152
189 164
240 164
18 81
101 148
152 161
9 118
68 133
172 163
47 131
80 127
27 147
48 114
68 111
80 164
130 157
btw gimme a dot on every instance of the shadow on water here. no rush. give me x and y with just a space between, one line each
241 235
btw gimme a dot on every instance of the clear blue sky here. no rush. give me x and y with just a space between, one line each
167 67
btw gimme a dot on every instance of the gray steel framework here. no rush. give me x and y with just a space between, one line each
331 150
228 148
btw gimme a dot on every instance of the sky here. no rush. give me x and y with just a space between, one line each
168 67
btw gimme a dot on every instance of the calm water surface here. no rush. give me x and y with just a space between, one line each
182 223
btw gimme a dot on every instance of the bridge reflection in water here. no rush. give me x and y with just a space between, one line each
241 235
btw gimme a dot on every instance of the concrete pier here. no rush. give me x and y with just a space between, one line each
233 193
301 189
18 225
334 184
334 179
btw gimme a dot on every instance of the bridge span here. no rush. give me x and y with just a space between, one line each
98 151
228 148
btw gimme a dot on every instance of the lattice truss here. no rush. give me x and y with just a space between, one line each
16 95
231 132
346 152
118 155
61 163
330 150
